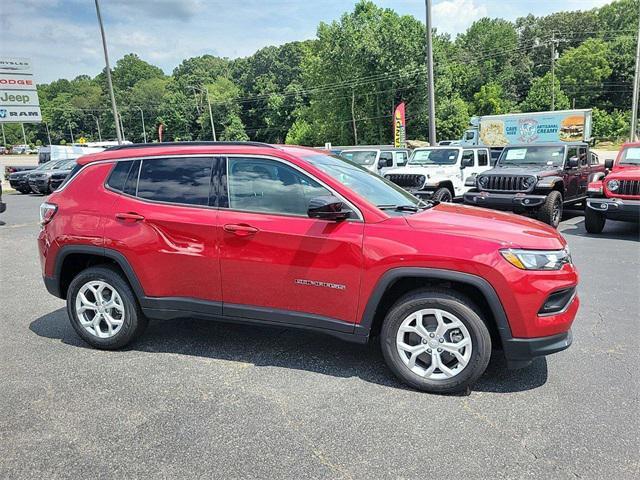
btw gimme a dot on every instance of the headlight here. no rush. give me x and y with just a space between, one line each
529 182
613 185
537 259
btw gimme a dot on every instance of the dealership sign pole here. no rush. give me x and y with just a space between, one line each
18 95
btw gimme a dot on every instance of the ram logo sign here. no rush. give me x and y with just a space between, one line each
18 95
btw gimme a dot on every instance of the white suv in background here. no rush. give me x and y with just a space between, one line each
439 173
377 159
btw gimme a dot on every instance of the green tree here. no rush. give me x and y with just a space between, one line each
490 100
540 96
582 70
130 69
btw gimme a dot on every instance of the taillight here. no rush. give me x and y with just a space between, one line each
47 211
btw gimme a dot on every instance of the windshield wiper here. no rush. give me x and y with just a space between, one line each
408 208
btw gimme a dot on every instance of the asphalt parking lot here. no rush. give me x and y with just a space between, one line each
199 399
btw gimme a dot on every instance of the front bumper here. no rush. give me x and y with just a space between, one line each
520 352
504 201
39 185
19 183
616 208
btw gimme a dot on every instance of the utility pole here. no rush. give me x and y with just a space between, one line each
432 97
206 91
4 139
24 136
353 117
636 91
109 83
121 126
144 131
46 125
553 71
98 125
71 130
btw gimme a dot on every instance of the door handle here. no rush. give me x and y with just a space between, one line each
241 230
134 217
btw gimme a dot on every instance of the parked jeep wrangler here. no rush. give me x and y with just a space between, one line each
615 196
537 180
439 173
294 237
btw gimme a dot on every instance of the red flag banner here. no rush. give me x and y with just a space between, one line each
399 127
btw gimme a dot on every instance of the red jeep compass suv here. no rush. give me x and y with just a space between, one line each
294 237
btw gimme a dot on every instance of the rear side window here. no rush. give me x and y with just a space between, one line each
482 158
468 154
119 175
185 180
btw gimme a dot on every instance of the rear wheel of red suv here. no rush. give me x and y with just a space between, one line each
435 341
103 309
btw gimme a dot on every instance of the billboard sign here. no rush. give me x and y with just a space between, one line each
18 95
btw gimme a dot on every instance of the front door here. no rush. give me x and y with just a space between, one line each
276 262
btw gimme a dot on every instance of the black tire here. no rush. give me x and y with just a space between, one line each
594 221
551 211
442 195
134 321
24 191
463 309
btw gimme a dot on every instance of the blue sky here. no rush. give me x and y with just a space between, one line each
62 36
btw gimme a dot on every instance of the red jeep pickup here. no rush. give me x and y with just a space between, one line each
615 195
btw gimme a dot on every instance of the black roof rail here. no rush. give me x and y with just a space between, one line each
186 144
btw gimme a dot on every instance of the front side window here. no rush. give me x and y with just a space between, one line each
468 155
434 156
582 155
401 158
594 159
386 159
263 185
184 180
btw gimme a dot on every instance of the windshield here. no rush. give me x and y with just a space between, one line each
51 165
370 186
551 156
361 157
630 156
436 156
66 164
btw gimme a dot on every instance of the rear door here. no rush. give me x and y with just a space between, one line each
276 262
163 220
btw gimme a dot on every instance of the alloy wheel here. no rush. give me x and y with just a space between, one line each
100 309
434 344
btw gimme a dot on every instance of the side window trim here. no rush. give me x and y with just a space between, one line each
224 184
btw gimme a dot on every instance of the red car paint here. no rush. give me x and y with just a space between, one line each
195 253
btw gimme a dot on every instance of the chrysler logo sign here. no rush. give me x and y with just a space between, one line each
3 113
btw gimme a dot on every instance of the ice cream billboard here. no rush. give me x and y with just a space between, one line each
567 126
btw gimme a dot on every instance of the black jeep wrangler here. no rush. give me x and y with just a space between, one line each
536 179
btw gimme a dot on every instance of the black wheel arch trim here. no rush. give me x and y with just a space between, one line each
117 257
396 274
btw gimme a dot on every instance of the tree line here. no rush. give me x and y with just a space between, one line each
343 85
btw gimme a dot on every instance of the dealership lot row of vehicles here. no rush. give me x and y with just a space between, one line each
160 231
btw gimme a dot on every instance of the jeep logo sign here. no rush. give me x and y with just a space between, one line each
18 95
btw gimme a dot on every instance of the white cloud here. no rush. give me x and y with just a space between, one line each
455 16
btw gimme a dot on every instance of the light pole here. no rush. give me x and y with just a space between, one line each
122 127
432 97
109 83
24 136
4 139
98 125
206 91
71 130
144 131
636 87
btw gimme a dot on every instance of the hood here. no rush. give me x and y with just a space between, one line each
16 175
630 172
507 229
538 170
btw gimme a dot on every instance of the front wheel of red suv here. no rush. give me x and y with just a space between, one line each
434 341
103 309
594 221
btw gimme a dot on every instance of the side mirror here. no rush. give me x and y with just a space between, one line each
466 162
608 163
572 162
327 208
382 163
